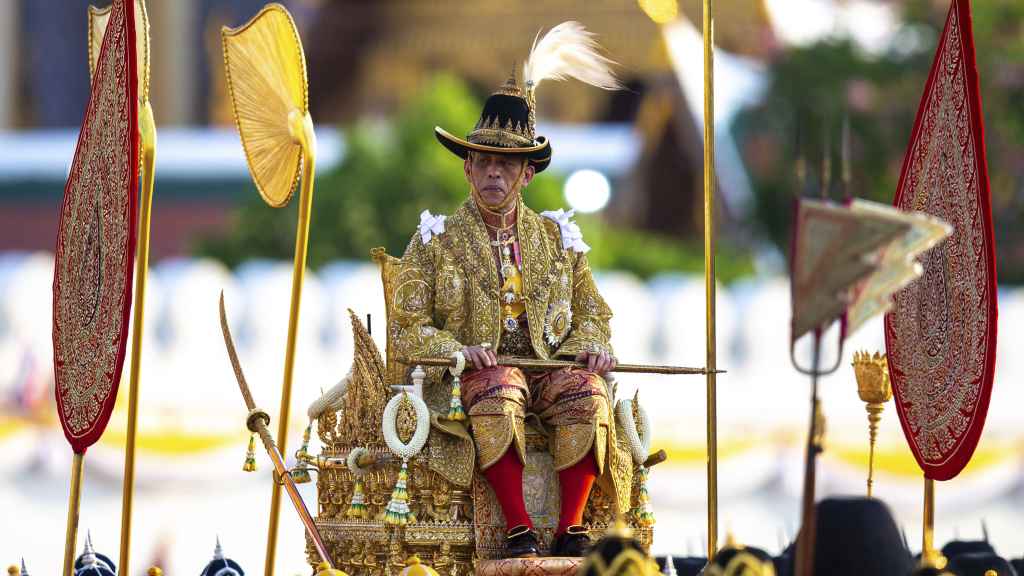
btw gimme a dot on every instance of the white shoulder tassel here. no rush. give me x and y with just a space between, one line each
569 51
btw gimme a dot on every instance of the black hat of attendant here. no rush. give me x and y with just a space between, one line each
858 537
221 566
955 548
933 571
617 553
507 124
683 566
981 564
92 563
738 560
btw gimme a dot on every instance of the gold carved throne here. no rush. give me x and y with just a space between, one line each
458 521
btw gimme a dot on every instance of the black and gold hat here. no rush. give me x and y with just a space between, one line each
618 553
507 124
734 559
505 127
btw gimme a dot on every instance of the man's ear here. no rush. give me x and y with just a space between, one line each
529 173
466 165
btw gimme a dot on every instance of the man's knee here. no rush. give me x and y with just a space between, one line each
497 383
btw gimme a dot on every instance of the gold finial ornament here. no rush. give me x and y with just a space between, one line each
324 569
932 563
154 571
874 388
415 567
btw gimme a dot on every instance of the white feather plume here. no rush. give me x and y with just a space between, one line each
569 51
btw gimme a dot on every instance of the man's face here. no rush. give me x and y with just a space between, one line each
494 175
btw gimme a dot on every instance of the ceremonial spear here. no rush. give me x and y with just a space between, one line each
98 18
266 73
94 255
257 422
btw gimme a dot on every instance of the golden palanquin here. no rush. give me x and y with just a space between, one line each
458 520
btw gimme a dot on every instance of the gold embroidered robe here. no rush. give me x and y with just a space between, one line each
446 297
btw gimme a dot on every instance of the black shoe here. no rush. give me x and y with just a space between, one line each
574 542
522 542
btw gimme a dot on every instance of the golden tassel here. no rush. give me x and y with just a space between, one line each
300 474
250 455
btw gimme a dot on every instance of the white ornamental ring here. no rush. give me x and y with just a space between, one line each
640 447
390 423
352 462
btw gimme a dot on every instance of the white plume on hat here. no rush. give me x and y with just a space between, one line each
568 51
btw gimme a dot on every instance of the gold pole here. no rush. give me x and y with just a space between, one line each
928 533
709 275
301 128
874 417
147 133
74 499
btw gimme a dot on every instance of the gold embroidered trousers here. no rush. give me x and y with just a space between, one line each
572 403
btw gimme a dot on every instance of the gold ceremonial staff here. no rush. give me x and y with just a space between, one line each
257 422
97 20
266 73
534 364
147 140
711 362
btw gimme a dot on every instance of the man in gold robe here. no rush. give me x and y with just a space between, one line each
495 276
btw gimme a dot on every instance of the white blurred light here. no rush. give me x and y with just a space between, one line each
587 191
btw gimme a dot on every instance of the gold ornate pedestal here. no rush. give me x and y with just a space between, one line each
529 567
458 527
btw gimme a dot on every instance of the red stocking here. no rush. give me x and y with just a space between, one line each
506 478
576 482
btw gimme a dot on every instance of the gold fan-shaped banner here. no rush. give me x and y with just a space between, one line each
98 18
266 71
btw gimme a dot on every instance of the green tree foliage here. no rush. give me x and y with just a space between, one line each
393 171
812 88
390 173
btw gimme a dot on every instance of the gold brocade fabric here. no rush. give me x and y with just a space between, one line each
444 295
517 343
447 290
572 402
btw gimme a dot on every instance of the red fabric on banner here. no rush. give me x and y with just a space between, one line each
94 262
941 335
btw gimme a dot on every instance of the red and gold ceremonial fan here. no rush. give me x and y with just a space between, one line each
98 19
941 334
92 280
